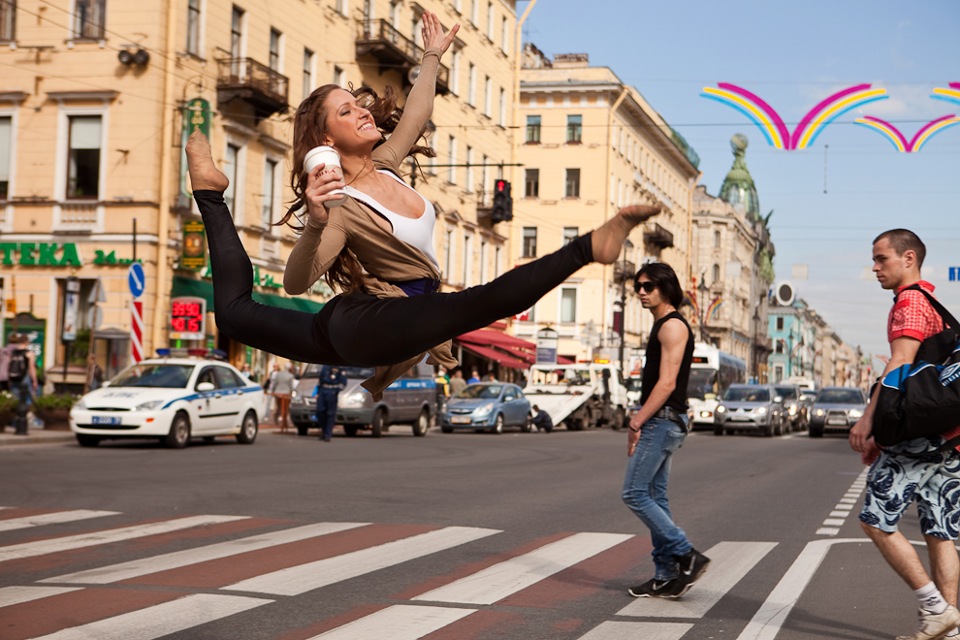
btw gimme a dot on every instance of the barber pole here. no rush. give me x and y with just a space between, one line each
136 330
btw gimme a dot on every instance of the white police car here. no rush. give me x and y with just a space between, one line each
173 399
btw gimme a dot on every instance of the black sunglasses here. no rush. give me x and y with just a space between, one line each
648 287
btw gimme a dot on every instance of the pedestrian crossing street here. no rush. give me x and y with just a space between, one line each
157 592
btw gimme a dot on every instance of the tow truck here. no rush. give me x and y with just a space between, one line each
581 395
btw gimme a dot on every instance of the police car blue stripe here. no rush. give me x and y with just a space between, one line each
204 394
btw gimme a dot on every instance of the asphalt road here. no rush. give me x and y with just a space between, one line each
467 536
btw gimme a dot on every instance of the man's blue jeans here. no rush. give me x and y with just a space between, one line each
645 492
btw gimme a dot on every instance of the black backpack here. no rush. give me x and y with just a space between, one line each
923 399
18 364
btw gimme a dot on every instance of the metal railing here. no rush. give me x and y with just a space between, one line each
247 73
380 34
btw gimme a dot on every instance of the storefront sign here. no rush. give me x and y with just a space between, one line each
40 254
193 256
187 318
954 274
547 341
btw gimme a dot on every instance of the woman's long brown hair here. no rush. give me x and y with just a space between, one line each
309 129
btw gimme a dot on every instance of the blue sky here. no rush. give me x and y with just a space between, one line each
831 199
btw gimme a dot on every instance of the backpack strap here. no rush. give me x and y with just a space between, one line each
945 315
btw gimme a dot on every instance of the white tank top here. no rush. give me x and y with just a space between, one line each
417 232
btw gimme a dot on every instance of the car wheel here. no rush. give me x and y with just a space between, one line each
446 429
730 432
302 429
179 434
497 424
768 430
351 430
422 424
248 429
377 424
87 441
619 419
209 439
718 431
815 432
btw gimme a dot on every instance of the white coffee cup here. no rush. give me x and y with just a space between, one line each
328 157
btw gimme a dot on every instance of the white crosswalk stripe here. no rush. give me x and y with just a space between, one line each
10 596
399 622
51 518
638 630
177 559
79 541
162 619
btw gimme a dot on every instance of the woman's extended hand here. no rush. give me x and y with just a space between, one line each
433 36
318 191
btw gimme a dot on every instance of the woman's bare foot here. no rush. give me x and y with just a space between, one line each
607 241
204 174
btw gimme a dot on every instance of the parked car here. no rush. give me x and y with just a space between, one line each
795 411
836 409
754 407
173 400
487 406
411 399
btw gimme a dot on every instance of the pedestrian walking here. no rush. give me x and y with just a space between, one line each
457 383
5 353
914 470
542 420
94 373
282 389
22 378
657 431
332 381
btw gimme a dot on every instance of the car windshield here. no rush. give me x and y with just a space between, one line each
701 382
788 393
169 376
481 391
746 394
313 371
840 396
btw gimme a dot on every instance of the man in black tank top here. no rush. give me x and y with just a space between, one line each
657 430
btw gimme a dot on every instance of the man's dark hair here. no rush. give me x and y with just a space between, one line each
662 275
903 240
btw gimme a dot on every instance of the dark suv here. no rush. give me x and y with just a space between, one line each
836 409
794 411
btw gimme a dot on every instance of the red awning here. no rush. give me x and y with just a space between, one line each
497 356
503 345
486 336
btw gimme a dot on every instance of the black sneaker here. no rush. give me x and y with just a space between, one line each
693 564
654 588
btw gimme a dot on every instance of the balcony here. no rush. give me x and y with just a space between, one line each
395 52
656 235
249 82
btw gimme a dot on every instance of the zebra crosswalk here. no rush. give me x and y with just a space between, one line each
150 580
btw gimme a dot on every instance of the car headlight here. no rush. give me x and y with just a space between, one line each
80 404
761 410
819 413
855 413
792 410
721 409
483 410
353 400
149 406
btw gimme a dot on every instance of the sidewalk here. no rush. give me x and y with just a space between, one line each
35 436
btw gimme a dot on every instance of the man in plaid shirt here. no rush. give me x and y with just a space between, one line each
912 470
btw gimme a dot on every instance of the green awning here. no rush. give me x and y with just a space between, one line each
183 286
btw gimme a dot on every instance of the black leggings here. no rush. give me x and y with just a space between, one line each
358 329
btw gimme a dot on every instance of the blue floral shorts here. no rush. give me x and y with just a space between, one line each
933 480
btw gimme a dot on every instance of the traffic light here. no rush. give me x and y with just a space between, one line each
502 202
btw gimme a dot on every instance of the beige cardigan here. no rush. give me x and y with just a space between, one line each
370 236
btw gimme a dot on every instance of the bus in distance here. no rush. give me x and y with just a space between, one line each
711 372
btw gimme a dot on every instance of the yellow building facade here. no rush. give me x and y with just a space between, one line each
591 144
98 96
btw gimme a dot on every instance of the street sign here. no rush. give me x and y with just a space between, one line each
954 274
136 279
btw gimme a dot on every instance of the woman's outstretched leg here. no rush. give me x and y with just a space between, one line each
283 332
394 330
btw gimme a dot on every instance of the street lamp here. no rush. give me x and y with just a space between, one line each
626 272
703 289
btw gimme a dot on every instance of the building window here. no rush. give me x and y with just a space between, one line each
236 33
468 185
472 85
531 187
484 179
504 36
496 262
780 323
483 260
452 173
529 242
475 12
395 14
231 167
570 234
572 183
780 347
716 239
338 77
568 305
448 253
89 19
533 129
83 156
467 260
307 72
455 71
274 58
502 120
6 153
342 7
490 21
575 129
716 274
487 95
269 190
193 27
8 20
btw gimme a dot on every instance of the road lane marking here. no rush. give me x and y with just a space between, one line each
766 624
79 541
10 596
831 525
52 518
296 580
399 622
162 619
506 578
730 563
635 630
177 559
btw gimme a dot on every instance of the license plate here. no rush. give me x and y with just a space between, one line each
736 418
837 421
106 420
460 420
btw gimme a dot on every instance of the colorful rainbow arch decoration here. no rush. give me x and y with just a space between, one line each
691 299
714 308
900 141
810 126
950 94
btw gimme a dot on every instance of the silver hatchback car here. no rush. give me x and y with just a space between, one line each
754 407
